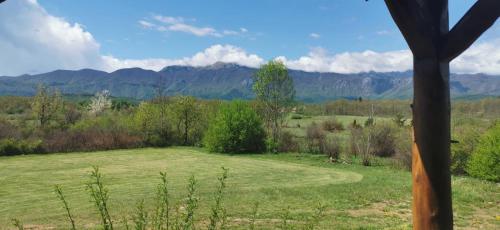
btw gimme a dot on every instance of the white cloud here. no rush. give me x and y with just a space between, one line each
211 55
198 31
351 62
146 24
481 58
314 35
230 32
33 41
383 32
179 24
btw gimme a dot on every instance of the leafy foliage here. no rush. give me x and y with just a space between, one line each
485 161
10 147
383 136
236 129
46 104
153 124
275 91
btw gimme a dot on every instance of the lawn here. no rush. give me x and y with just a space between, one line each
355 196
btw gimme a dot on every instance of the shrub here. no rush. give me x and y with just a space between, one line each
91 139
236 129
355 125
108 131
354 136
296 116
11 147
315 138
399 119
485 160
369 122
333 149
332 125
8 130
71 115
403 154
383 137
361 145
466 139
288 143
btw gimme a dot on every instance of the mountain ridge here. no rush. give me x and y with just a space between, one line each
230 81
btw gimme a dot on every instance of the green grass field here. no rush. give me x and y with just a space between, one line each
298 126
355 196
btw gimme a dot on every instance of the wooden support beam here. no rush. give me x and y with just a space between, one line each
480 17
424 25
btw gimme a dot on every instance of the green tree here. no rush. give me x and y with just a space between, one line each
275 92
236 128
151 121
46 104
186 112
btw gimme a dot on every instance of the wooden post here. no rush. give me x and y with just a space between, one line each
424 25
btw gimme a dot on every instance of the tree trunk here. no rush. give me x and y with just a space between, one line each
432 207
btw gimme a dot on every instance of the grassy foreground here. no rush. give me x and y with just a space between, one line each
355 196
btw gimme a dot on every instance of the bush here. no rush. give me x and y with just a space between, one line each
92 139
383 138
8 130
485 160
466 138
315 138
369 122
333 149
361 145
296 116
11 147
403 154
399 119
236 129
332 125
106 132
288 143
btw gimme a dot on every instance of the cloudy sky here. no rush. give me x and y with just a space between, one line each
345 36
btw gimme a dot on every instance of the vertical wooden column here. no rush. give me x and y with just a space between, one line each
432 207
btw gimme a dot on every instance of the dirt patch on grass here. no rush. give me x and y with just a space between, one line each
384 208
483 219
37 227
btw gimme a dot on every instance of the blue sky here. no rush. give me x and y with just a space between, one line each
274 27
312 35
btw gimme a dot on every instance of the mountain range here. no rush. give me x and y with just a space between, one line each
229 81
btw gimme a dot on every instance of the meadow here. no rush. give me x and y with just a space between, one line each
339 165
354 196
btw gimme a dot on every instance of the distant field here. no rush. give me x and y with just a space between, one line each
298 126
356 196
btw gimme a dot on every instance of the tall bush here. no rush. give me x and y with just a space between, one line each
236 128
485 160
466 138
315 138
383 137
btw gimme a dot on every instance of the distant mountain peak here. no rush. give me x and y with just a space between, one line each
222 65
176 68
